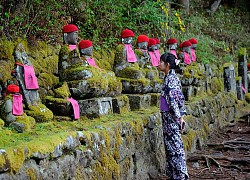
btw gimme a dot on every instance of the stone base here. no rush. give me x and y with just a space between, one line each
136 86
120 104
138 102
155 99
59 106
96 107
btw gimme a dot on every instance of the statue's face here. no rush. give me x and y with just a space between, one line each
87 51
128 40
70 38
173 46
143 45
194 46
151 48
157 46
186 49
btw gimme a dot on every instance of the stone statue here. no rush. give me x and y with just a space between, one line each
25 76
113 87
193 48
157 49
126 66
151 51
69 54
142 52
12 110
185 54
125 63
172 46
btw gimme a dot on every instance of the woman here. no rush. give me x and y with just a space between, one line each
172 110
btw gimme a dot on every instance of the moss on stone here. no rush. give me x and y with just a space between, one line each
40 112
1 123
216 85
56 100
63 91
242 52
28 121
132 72
247 97
31 172
6 49
189 139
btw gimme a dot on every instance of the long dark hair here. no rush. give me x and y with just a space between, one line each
171 59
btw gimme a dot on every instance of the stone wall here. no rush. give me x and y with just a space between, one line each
131 149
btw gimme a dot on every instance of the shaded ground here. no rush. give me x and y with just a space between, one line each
226 156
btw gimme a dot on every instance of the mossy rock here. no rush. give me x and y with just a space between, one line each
40 112
132 72
63 91
1 123
247 97
28 121
216 85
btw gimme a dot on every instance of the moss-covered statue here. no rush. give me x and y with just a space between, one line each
103 82
194 43
142 51
12 110
157 49
172 46
185 54
26 78
126 66
144 58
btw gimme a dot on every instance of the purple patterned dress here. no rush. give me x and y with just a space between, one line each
172 108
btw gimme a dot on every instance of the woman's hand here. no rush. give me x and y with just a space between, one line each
183 123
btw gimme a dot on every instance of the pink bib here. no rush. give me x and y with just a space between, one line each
243 89
72 47
157 54
17 104
130 53
75 106
91 62
193 55
172 51
153 58
30 77
187 59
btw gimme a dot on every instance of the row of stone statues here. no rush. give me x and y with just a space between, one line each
134 72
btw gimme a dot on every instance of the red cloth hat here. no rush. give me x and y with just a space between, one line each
127 33
151 42
193 41
181 45
248 66
172 41
186 44
12 88
69 28
142 38
85 44
157 41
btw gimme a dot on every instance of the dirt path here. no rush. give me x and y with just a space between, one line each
226 156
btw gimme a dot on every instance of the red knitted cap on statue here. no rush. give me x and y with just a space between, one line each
181 45
85 44
12 88
193 41
151 42
186 44
157 41
248 66
69 28
172 41
127 33
142 38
